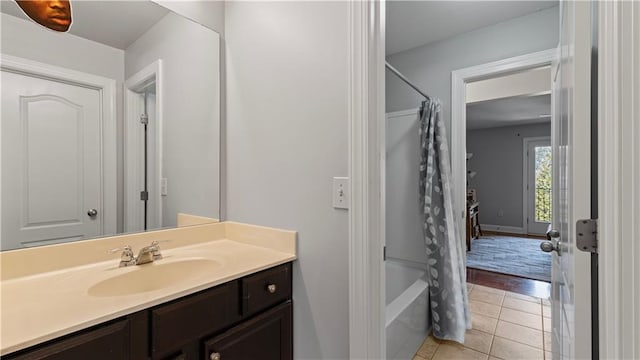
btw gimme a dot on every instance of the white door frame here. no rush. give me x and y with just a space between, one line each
133 133
618 179
459 78
619 260
107 89
366 171
526 177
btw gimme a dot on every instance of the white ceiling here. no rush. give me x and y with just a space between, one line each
410 24
515 110
114 23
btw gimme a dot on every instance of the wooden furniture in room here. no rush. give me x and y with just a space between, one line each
474 230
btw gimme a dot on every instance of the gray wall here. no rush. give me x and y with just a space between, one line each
206 12
191 112
497 159
28 40
287 136
430 68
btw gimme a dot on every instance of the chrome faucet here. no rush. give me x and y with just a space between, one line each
149 254
146 255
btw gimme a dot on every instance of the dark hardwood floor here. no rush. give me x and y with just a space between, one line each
511 283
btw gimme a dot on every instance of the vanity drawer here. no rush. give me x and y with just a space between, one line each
265 289
178 323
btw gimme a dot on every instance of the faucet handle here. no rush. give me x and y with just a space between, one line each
127 253
155 249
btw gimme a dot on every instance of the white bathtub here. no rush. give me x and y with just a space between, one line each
406 311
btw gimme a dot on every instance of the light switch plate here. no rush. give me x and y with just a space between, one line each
341 192
163 186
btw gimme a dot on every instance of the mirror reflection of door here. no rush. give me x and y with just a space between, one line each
188 153
538 185
51 160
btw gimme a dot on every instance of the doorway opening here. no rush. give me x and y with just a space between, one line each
508 161
144 185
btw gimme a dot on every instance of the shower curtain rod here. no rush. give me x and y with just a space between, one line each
404 78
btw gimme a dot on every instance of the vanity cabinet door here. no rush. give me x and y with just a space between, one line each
107 342
267 336
177 325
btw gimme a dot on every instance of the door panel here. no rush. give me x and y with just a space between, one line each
570 136
50 161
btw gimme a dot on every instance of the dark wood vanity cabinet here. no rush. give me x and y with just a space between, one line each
248 318
110 341
267 336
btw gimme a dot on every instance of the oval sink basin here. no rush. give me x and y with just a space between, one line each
153 276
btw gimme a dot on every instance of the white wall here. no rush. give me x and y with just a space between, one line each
287 124
430 68
206 12
497 159
31 41
404 239
191 112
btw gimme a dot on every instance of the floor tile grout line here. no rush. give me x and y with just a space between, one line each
519 342
484 302
511 322
524 311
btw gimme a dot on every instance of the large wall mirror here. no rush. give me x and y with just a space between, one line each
110 127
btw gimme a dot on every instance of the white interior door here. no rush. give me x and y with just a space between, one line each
570 135
51 161
538 187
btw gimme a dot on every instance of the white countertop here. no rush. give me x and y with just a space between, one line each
43 306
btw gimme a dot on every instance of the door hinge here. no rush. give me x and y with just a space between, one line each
587 235
144 195
144 119
384 253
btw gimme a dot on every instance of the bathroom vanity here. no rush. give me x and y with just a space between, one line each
248 318
225 293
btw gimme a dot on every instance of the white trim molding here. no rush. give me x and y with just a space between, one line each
459 78
503 229
366 171
107 89
402 113
618 179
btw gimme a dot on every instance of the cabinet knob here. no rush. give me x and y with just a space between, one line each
215 356
271 288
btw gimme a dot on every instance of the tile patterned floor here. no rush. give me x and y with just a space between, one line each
506 326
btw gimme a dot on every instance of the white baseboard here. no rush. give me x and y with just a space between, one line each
503 228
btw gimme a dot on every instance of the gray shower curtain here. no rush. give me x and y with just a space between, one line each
449 303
